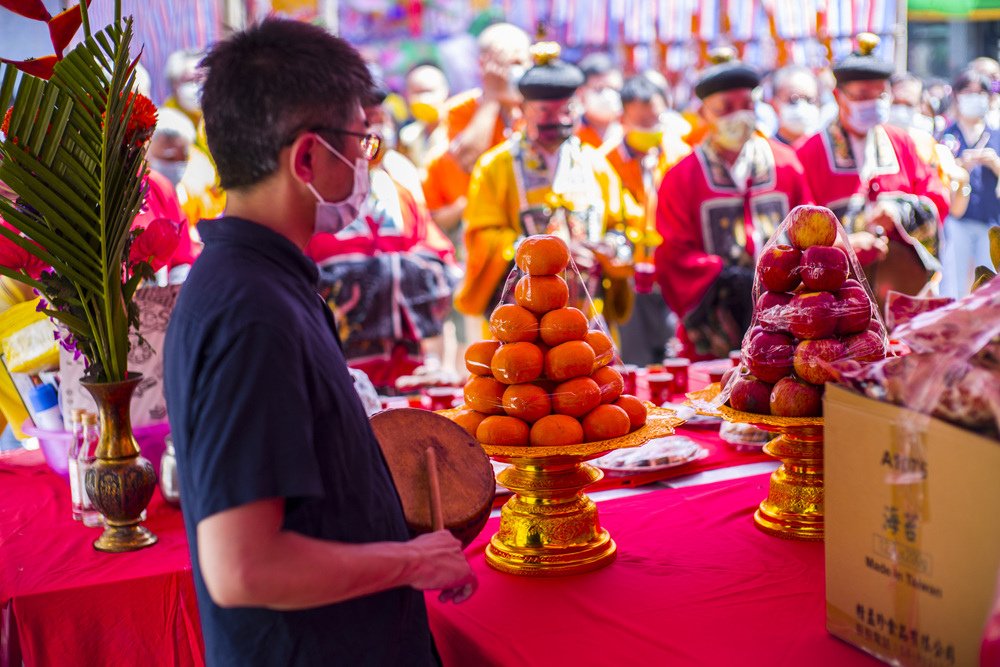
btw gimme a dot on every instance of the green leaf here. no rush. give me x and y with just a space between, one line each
994 234
983 276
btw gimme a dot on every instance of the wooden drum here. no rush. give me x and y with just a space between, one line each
464 471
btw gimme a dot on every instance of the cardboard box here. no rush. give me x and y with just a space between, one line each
912 542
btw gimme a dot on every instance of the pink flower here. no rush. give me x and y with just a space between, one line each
155 244
17 258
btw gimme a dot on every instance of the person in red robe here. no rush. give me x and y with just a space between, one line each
871 176
717 208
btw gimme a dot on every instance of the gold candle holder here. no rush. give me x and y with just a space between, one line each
549 527
793 508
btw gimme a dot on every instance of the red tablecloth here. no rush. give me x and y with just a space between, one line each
695 583
68 602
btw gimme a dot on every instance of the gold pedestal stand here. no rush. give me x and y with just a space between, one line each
550 527
793 508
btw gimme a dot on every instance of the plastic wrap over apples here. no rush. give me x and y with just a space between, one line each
953 369
812 309
547 376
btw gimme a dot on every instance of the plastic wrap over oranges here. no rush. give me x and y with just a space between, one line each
547 376
812 309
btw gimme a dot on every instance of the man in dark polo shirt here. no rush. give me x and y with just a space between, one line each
301 555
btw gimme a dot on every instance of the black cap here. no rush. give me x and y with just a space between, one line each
550 78
726 73
863 65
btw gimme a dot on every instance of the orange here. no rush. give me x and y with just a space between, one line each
605 422
611 383
540 294
576 397
527 401
634 408
556 431
517 362
562 325
604 350
507 431
569 360
479 355
484 394
542 255
469 420
513 324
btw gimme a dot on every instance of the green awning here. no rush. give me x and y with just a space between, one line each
953 10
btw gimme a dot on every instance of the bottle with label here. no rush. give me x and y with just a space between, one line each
76 426
88 454
45 407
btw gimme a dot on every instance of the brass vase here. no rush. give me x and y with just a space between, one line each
120 482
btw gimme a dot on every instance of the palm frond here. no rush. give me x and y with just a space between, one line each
69 156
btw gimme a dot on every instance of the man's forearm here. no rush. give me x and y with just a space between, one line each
293 571
477 137
448 216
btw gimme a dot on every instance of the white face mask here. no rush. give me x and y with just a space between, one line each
604 105
735 129
172 170
189 96
331 217
901 115
866 114
973 105
800 118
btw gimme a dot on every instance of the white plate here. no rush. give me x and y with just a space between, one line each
679 449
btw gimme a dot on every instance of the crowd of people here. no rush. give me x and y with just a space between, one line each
635 180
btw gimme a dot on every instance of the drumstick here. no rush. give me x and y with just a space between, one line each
437 519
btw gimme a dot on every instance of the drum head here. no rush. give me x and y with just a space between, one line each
464 471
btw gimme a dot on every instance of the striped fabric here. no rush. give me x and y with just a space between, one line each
162 28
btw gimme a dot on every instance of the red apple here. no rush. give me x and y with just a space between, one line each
812 315
769 356
813 358
811 226
778 268
795 398
877 327
771 312
854 309
823 268
866 346
751 395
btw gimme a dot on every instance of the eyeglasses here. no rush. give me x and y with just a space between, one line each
370 142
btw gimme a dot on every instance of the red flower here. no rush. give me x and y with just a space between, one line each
5 127
155 244
142 122
17 258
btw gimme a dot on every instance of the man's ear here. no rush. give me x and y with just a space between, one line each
300 158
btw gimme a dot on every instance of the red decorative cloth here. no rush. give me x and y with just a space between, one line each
695 583
63 603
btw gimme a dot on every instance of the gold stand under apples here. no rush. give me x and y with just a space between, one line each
793 508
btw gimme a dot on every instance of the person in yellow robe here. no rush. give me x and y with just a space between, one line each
545 181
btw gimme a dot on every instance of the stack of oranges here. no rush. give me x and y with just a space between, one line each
545 379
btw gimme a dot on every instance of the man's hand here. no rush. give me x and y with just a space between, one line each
442 565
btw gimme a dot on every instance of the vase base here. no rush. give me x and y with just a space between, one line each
804 527
120 539
551 562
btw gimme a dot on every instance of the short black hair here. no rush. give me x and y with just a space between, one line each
970 76
595 64
639 88
269 82
905 77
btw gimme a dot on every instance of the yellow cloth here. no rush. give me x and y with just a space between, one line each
198 192
12 408
493 218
